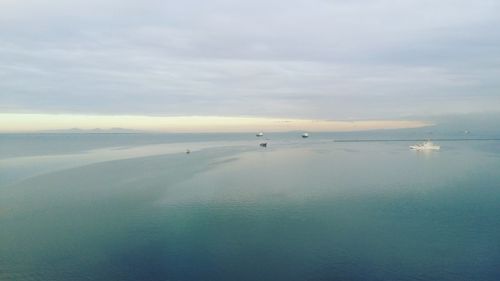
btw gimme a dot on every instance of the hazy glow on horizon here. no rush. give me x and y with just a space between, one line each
11 122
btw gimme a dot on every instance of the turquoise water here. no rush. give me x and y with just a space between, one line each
138 208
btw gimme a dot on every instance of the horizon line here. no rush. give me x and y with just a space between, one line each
36 122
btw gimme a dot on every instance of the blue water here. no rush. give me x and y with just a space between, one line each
136 207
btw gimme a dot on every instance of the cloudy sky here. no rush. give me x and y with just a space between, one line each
305 59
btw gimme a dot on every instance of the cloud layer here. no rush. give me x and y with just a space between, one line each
300 59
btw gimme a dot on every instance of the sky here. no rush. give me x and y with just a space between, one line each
294 59
14 123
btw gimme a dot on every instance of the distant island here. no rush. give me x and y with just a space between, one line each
93 131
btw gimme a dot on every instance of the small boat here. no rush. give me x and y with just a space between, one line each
259 134
305 135
188 151
428 145
264 144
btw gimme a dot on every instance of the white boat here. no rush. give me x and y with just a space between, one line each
305 135
259 134
428 145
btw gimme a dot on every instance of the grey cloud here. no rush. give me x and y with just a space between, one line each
312 59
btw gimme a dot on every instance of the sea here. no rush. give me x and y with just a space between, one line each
334 206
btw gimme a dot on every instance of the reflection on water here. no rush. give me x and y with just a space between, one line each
17 168
294 211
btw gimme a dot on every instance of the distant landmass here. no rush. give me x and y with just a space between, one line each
93 131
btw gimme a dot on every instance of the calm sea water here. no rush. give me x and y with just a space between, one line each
136 207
